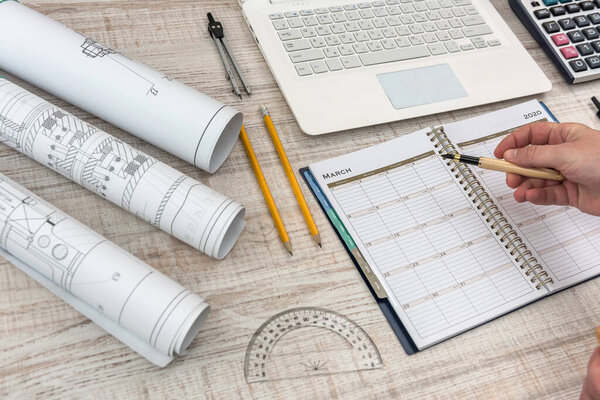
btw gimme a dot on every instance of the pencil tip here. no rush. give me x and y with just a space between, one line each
317 238
288 247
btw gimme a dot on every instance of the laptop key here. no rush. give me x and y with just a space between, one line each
297 45
279 24
383 57
351 62
303 69
452 47
436 49
307 55
319 67
334 64
478 30
473 20
308 32
291 34
346 50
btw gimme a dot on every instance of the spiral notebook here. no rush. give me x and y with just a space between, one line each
442 246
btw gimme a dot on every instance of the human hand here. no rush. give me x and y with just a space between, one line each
591 383
572 149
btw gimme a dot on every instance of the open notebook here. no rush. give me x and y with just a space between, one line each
445 247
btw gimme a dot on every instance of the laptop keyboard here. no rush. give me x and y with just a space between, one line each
351 36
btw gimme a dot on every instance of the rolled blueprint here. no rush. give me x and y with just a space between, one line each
146 310
126 93
129 178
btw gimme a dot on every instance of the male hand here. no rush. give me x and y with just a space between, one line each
572 149
591 384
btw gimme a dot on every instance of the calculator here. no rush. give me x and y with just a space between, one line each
568 30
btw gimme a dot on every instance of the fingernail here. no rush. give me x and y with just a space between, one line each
510 154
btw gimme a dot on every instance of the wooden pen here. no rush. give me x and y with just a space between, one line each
505 166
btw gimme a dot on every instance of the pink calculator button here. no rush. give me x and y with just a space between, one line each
560 39
569 52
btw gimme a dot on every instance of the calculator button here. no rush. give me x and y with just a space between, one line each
586 5
594 18
578 65
535 4
569 52
560 39
575 36
591 33
542 14
596 46
567 23
581 21
558 11
593 62
550 2
276 16
572 8
585 49
551 27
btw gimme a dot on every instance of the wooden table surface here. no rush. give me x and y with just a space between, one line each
49 350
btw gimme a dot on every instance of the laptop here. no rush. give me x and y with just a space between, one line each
342 64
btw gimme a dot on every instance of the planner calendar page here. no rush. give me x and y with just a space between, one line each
439 262
564 240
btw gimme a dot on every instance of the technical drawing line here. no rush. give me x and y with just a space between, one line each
124 175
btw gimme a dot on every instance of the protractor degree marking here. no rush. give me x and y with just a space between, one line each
266 338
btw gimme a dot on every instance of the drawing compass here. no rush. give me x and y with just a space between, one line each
216 32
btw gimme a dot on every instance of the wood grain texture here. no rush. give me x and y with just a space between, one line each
48 350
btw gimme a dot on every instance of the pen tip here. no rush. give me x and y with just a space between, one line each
448 156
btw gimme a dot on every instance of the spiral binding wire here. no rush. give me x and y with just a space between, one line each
493 216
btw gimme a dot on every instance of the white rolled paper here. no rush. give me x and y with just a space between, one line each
129 178
143 308
124 92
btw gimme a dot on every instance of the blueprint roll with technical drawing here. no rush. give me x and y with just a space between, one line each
124 92
146 310
109 167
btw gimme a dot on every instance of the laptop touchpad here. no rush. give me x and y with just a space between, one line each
415 87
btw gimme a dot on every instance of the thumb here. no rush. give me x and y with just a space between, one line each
549 156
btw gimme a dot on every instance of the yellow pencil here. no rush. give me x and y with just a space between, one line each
285 239
291 177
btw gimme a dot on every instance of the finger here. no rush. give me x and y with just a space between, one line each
547 156
550 195
513 181
537 133
528 184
